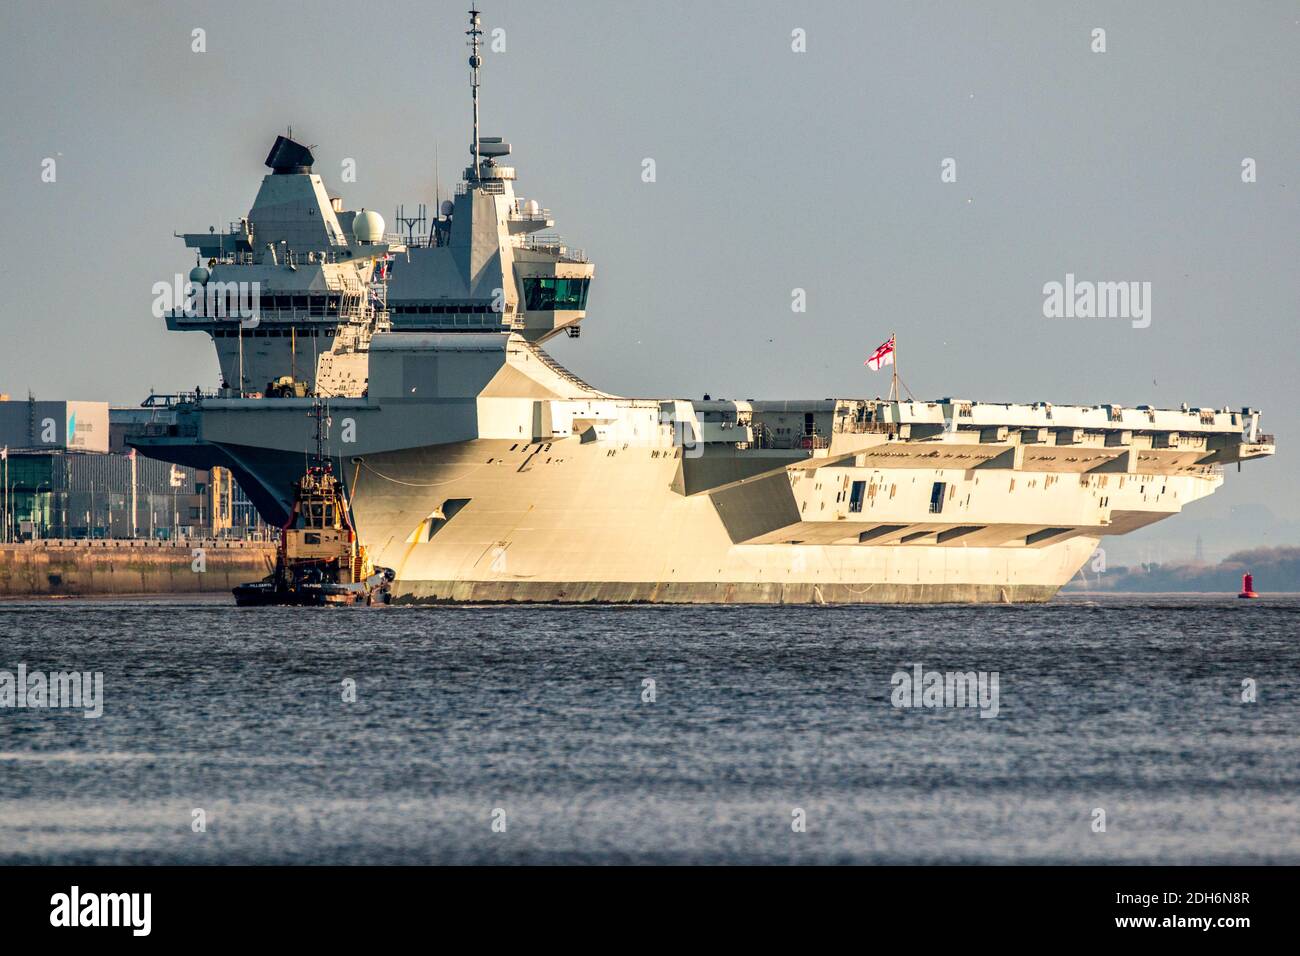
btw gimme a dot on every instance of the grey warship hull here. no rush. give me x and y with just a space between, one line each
481 473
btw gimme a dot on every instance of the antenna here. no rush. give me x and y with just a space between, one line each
321 412
475 61
437 194
410 222
318 412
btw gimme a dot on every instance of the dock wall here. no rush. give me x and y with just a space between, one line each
123 567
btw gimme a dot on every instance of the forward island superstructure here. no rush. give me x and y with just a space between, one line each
479 469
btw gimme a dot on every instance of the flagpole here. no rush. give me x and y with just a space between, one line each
893 388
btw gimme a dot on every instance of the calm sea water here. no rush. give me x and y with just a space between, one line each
1130 705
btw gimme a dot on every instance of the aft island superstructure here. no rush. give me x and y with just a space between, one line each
480 470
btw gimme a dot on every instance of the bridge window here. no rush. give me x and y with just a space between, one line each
936 497
546 294
856 495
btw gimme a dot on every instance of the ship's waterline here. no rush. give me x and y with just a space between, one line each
705 592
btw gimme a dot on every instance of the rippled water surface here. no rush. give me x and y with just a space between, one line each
1130 705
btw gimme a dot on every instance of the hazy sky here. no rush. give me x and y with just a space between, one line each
776 170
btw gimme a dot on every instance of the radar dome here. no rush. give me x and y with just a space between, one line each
446 208
368 227
531 207
199 275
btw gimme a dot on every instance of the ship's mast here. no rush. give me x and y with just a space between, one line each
318 412
475 61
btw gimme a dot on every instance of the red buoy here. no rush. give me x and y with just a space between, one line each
1247 586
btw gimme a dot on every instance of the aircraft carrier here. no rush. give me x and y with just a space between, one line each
480 470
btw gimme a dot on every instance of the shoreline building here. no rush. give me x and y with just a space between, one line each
67 473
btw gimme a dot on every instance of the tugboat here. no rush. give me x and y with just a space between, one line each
320 560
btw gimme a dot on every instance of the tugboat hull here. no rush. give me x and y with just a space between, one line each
374 590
